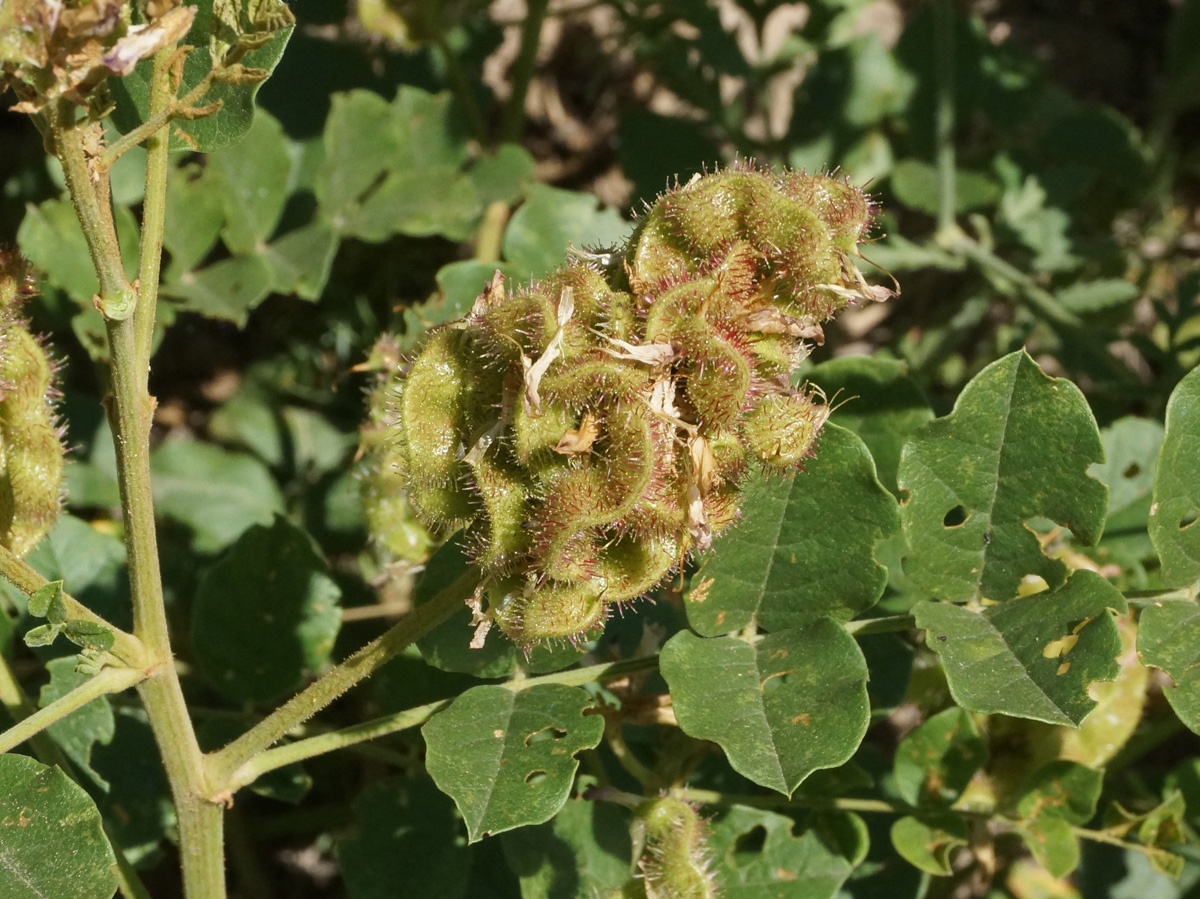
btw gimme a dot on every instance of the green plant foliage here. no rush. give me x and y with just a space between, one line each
266 612
781 707
1177 488
806 549
929 842
1031 657
506 757
936 761
1015 448
54 844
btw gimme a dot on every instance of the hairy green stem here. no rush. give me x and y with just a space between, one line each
522 70
839 803
126 647
108 680
155 122
307 748
224 765
154 209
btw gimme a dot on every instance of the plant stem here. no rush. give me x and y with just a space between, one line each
943 43
224 765
522 70
108 680
154 208
889 625
840 803
95 217
490 237
127 648
300 750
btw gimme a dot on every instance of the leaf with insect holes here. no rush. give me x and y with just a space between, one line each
507 758
805 549
1175 512
1032 657
1016 448
53 842
936 761
782 707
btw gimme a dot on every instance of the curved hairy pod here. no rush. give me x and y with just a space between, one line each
31 448
675 861
592 429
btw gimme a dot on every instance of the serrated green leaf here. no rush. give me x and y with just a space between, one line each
252 181
46 602
507 758
549 220
878 401
448 646
806 548
216 493
929 842
52 239
265 613
83 728
583 851
231 122
781 707
1016 447
53 845
406 841
1032 657
786 867
227 290
1176 509
935 762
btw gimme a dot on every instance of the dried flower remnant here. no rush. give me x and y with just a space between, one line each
591 430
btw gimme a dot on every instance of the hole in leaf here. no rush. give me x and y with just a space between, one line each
955 517
1132 470
545 735
749 846
905 496
534 778
1189 519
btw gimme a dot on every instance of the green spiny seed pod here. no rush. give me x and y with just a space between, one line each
675 861
592 429
31 448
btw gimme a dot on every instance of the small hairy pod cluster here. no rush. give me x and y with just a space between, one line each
675 859
31 448
590 430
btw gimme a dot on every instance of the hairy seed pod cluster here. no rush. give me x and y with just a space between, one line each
31 448
675 861
592 429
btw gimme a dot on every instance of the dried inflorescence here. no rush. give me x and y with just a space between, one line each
31 448
592 429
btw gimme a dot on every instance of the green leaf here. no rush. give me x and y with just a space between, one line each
916 186
929 842
786 867
83 728
52 239
265 613
218 494
406 841
1176 508
502 176
1169 638
1131 447
137 806
1062 789
360 144
878 401
252 180
1016 447
1053 843
1032 657
195 214
47 602
549 220
936 761
806 548
583 851
781 707
1097 296
53 845
301 260
227 290
231 122
507 758
90 635
42 635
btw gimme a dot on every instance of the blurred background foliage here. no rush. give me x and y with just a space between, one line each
1038 170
